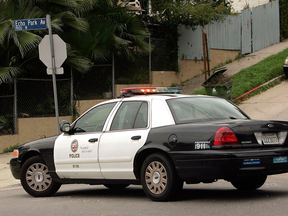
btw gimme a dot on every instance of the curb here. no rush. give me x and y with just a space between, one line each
242 97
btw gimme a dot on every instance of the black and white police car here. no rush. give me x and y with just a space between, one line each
159 141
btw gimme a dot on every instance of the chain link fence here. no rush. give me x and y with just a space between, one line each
164 56
7 115
34 98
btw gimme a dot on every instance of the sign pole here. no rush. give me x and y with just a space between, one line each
53 71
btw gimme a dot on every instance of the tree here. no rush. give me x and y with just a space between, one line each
189 12
112 30
18 48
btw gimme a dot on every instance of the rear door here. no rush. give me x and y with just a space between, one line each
127 133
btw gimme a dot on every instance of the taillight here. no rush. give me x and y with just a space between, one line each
225 136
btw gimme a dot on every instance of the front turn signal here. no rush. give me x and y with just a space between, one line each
15 153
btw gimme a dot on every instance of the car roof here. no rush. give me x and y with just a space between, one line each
150 97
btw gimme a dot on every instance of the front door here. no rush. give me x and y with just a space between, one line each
76 155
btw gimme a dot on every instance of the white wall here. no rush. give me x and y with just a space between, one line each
239 5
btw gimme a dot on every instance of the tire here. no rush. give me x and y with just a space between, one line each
116 186
249 183
159 178
35 178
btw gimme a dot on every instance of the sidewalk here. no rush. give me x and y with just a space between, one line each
6 178
8 181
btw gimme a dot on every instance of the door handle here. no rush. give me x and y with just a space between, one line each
136 137
93 140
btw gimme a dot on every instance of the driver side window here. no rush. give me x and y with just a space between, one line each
93 120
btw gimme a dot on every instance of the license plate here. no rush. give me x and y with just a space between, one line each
280 159
270 138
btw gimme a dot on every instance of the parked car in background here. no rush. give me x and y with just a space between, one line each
159 139
285 67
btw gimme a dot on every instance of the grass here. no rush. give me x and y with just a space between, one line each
10 149
258 74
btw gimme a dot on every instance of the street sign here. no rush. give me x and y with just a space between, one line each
60 53
30 24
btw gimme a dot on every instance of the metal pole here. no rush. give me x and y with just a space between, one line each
113 76
53 71
72 93
15 107
150 58
207 53
204 53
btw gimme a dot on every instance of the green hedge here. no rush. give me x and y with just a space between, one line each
283 7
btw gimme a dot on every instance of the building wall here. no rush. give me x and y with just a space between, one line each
30 129
239 5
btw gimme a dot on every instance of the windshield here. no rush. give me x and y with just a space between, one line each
202 109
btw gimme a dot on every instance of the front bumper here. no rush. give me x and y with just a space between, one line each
15 168
222 164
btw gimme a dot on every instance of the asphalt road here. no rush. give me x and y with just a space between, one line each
218 198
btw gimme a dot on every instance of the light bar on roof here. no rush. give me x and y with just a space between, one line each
150 90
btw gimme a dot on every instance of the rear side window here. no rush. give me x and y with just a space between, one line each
202 109
132 114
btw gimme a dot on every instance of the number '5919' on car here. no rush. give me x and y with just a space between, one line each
159 141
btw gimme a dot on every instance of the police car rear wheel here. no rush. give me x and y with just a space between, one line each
159 179
249 183
36 179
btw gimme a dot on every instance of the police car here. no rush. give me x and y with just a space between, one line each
159 141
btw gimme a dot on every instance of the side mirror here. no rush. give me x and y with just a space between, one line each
65 126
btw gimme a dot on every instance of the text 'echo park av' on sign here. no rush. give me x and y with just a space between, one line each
30 24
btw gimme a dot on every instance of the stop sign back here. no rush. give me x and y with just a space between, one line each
60 51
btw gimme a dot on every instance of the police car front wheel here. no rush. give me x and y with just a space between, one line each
36 179
159 178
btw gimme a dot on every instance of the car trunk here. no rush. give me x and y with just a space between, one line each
256 133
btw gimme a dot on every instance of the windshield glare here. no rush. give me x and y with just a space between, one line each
202 109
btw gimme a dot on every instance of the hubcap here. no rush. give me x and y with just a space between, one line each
37 177
156 177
